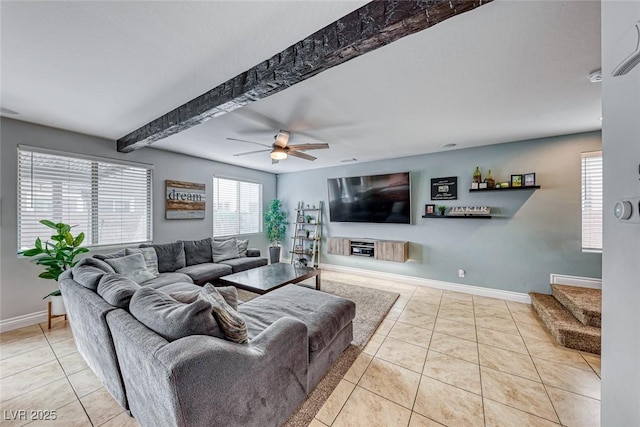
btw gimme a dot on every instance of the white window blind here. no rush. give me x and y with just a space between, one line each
592 201
109 202
237 207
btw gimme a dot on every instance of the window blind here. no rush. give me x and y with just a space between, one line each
237 207
109 202
592 201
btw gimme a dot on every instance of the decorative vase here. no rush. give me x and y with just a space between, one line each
477 176
274 254
489 180
57 306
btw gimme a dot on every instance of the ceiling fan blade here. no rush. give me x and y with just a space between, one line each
251 152
274 161
304 147
301 155
250 142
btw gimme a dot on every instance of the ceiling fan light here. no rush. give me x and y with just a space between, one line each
278 154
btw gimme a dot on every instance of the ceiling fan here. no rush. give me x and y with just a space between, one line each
280 149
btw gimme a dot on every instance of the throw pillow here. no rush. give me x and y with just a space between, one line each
131 266
224 250
172 319
150 258
230 321
229 293
197 251
242 247
89 271
170 256
117 290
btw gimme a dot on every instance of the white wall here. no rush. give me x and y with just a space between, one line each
533 233
621 256
21 290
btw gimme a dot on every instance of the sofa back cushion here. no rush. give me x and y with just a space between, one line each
170 256
131 266
197 251
117 289
150 258
222 250
117 254
89 271
172 319
242 247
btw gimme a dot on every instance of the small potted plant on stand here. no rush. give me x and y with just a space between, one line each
442 209
276 225
56 258
309 219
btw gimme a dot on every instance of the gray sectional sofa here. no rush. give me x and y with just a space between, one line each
199 378
197 261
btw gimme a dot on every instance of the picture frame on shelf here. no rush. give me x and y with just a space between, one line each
516 180
311 235
429 209
300 218
482 185
530 179
298 248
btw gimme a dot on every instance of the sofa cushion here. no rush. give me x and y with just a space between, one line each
170 256
203 273
118 254
325 315
197 251
229 293
231 322
117 289
131 266
179 287
242 264
172 319
164 279
150 258
223 250
89 271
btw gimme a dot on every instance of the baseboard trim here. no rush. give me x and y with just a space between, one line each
439 284
22 321
582 282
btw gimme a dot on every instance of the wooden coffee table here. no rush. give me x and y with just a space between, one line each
270 277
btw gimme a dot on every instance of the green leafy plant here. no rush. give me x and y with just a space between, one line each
442 208
309 218
276 222
58 256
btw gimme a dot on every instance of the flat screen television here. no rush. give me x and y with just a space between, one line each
372 198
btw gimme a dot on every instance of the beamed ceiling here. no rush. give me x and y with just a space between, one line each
505 71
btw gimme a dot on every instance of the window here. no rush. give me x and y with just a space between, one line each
237 207
592 201
109 202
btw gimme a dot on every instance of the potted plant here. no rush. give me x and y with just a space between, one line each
276 224
309 218
442 208
56 257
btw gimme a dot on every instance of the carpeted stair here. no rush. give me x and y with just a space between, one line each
572 315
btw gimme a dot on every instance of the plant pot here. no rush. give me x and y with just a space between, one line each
57 306
274 254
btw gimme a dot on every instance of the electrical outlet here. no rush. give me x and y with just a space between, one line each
461 273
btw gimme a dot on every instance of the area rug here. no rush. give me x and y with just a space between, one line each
372 305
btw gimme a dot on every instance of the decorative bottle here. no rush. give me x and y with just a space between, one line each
489 180
477 176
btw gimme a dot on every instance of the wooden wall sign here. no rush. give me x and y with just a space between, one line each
184 200
444 188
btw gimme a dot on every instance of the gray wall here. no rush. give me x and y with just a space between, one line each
21 290
621 256
534 233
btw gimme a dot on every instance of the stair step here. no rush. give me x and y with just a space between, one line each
563 326
584 303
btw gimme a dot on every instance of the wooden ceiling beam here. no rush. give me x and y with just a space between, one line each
374 25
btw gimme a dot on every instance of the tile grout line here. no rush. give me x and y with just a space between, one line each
484 411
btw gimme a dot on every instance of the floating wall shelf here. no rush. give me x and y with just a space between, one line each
458 216
480 190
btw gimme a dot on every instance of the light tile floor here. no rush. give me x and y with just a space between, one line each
438 358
